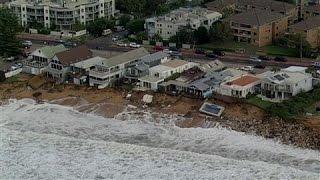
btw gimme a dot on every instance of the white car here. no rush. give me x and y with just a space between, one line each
167 51
247 68
134 45
122 44
27 43
255 59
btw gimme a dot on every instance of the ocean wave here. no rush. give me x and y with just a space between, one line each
54 141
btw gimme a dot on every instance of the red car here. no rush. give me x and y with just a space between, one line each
158 48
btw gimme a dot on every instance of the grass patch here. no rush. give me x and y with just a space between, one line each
280 51
256 101
230 46
296 106
12 79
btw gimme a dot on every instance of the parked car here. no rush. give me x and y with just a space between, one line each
173 49
260 66
11 58
120 44
167 51
254 59
200 51
134 45
176 54
27 43
218 52
158 48
247 68
106 32
69 44
115 38
212 56
280 59
264 58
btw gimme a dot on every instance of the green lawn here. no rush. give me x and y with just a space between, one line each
280 51
256 101
230 46
250 49
12 79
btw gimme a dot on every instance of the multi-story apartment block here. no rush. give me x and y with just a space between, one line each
169 24
309 29
61 13
281 7
4 3
311 11
238 6
258 27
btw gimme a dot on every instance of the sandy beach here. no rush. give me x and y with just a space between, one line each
111 102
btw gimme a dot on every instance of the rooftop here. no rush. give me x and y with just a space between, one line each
154 56
126 57
55 3
256 17
74 55
151 79
244 81
50 51
295 69
89 62
284 77
276 6
175 63
310 23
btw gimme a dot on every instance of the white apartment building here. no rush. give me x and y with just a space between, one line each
278 86
169 24
62 13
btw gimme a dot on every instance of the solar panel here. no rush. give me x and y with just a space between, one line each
211 108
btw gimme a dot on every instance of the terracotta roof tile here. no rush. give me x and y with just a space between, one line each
244 80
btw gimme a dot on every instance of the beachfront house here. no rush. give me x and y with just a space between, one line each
60 65
278 86
158 74
80 70
141 68
212 81
114 68
40 58
240 87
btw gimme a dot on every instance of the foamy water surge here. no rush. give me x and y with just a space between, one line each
52 141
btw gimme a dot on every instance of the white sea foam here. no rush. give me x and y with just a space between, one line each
52 141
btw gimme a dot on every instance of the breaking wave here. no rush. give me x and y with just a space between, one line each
56 142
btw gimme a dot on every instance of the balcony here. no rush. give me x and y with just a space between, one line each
246 35
103 72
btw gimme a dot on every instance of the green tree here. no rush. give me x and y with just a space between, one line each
220 32
135 25
141 36
124 20
201 35
184 36
136 7
9 28
295 41
96 27
78 26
